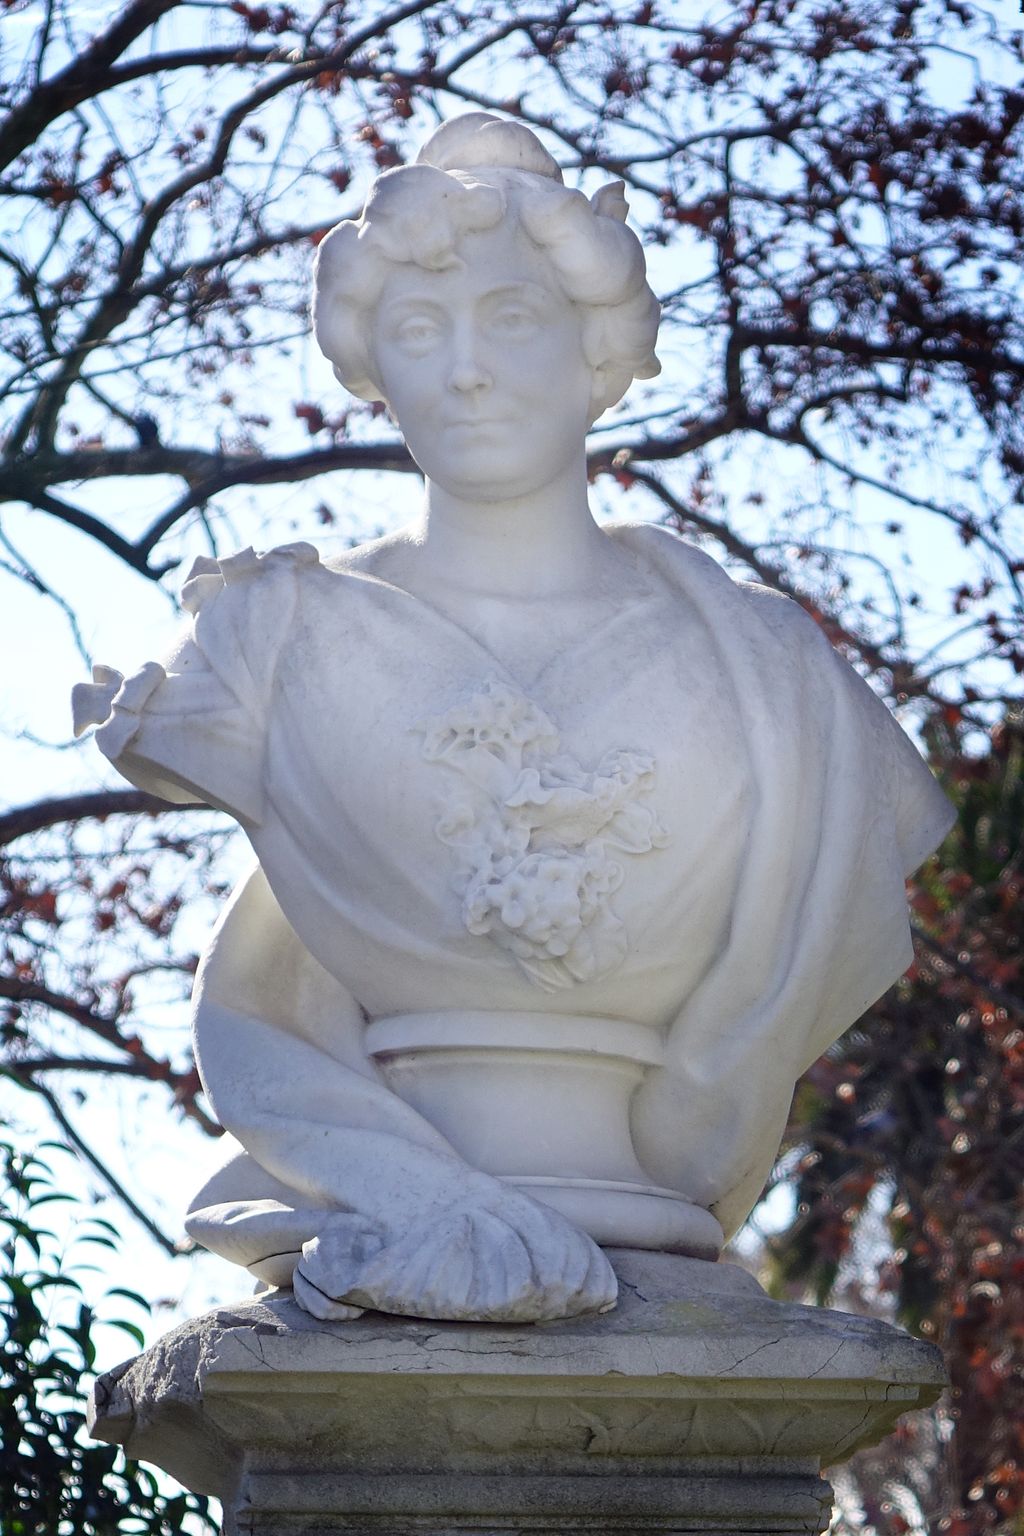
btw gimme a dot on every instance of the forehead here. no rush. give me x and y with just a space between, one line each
487 262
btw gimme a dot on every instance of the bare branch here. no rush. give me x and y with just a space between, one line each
773 575
299 466
924 350
78 81
45 501
20 991
207 473
97 806
142 1063
960 967
91 1157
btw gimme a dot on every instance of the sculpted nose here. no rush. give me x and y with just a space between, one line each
467 373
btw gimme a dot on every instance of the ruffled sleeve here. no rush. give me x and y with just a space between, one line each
192 728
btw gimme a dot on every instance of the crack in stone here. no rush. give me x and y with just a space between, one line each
843 1449
231 1321
257 1353
826 1363
769 1344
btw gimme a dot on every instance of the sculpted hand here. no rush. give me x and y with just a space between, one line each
498 1257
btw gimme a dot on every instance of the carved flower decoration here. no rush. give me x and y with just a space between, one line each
533 832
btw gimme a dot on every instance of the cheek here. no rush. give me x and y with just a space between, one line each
565 366
564 394
410 390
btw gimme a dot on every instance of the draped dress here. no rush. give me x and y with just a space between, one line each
682 844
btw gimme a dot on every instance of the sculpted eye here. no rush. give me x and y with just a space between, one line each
515 322
416 331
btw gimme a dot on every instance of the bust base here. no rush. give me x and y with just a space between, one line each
624 1215
542 1102
699 1405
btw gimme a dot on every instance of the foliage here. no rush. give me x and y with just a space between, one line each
831 193
924 1102
52 1479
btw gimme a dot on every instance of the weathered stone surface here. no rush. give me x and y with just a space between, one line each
698 1405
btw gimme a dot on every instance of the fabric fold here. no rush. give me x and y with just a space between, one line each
758 908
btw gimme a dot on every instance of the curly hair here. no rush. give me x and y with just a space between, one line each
471 174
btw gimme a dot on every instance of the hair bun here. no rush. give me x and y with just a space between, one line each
480 138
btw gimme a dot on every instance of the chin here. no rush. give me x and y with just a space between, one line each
484 475
490 488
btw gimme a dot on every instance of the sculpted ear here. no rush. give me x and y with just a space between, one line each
598 394
609 385
610 201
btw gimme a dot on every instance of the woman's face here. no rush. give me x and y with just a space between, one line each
483 367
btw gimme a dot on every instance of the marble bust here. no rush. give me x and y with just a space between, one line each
572 852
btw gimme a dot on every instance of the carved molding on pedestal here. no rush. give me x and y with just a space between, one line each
698 1405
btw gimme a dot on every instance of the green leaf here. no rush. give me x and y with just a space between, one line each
101 1221
48 1282
120 1290
130 1328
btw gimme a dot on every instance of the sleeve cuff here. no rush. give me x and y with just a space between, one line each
114 704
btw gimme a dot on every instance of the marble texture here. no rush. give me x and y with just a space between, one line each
572 852
698 1405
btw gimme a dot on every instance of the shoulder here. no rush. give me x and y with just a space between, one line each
242 610
245 572
383 558
701 576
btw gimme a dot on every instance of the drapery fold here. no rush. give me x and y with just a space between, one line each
802 924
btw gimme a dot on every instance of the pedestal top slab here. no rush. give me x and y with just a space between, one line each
697 1366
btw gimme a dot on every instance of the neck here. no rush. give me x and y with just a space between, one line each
525 546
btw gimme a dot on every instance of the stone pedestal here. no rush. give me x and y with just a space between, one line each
698 1405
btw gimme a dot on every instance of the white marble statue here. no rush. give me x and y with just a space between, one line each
572 852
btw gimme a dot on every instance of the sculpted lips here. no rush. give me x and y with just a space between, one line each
478 421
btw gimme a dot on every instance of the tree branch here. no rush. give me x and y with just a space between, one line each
25 1066
44 501
207 474
96 806
925 350
300 466
967 527
612 456
155 1069
116 303
19 991
78 81
998 994
773 575
113 1183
